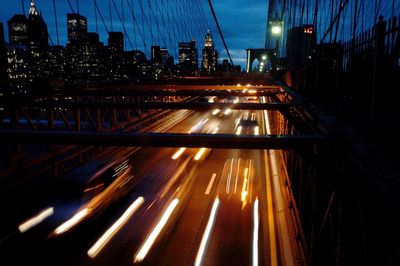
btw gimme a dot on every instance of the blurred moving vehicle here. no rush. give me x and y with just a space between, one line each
247 124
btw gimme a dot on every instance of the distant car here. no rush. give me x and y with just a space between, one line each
247 124
110 183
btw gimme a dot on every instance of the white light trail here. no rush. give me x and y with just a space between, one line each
239 130
25 226
255 233
256 130
148 243
216 111
207 233
72 222
178 153
106 237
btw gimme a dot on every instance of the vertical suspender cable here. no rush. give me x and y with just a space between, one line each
55 20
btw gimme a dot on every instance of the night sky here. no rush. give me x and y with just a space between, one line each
243 22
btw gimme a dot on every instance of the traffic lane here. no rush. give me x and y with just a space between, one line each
183 245
128 246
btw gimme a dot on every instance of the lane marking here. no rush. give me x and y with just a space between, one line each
210 184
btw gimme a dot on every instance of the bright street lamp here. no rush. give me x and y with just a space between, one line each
276 30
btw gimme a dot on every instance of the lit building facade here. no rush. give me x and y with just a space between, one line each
76 27
209 63
188 58
38 45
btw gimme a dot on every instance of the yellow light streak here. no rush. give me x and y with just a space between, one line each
199 154
178 153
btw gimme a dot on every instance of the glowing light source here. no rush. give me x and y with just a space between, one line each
216 111
255 233
276 30
105 238
264 57
207 233
178 153
227 111
25 226
199 154
148 243
72 222
239 130
256 130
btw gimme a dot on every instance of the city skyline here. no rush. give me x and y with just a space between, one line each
234 21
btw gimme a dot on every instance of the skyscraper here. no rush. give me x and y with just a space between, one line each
116 41
2 59
115 55
76 27
209 63
37 28
188 58
37 46
18 30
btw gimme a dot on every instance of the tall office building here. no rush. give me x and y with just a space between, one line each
86 59
18 30
116 41
2 58
188 58
37 45
209 63
115 55
76 27
301 41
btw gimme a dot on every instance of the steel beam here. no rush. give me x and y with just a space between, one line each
149 105
225 141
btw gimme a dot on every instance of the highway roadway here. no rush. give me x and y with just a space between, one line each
165 206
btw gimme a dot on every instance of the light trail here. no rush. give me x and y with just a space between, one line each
255 233
148 243
178 153
199 154
78 217
25 226
106 237
207 233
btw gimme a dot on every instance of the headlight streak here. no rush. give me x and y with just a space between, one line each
106 237
148 243
216 111
255 233
202 150
228 181
239 130
199 154
28 224
207 233
245 184
256 130
78 217
178 153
